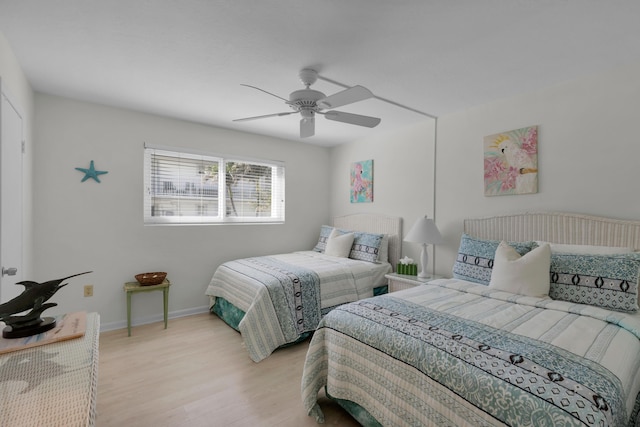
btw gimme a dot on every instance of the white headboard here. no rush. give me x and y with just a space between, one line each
374 223
557 227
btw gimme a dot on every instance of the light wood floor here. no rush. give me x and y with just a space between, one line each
196 373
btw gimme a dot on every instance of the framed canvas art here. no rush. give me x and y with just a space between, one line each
362 181
511 162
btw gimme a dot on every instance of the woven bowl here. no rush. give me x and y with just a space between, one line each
148 279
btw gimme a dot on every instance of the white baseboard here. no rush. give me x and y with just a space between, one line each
122 324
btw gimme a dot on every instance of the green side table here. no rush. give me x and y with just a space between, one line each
133 287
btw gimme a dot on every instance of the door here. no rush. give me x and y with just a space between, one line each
10 198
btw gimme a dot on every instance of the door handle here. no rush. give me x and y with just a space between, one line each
11 271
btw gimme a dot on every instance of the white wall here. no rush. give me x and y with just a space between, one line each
402 175
82 226
588 158
588 154
15 83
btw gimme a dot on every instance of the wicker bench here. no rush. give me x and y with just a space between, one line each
53 384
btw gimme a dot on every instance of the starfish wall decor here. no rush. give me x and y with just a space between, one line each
91 173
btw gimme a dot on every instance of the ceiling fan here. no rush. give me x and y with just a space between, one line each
309 102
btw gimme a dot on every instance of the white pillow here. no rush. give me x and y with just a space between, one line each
525 275
339 244
561 248
383 254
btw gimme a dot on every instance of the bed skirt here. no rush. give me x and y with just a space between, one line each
232 315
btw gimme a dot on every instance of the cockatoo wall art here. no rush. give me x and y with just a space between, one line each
511 162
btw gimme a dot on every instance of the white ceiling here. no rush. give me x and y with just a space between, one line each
187 58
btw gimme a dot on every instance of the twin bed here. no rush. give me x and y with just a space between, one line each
474 351
279 300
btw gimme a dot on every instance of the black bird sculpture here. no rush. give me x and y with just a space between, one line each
32 298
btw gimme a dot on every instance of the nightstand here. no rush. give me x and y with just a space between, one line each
398 282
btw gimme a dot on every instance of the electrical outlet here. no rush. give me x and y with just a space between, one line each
88 290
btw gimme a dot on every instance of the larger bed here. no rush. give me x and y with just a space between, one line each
458 352
279 299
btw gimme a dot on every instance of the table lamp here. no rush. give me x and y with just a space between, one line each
424 231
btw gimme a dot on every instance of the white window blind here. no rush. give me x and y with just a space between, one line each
183 187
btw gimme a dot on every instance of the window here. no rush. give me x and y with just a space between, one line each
187 187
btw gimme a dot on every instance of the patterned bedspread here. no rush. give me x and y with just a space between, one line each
456 353
284 296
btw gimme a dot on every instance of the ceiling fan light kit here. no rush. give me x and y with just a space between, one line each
309 102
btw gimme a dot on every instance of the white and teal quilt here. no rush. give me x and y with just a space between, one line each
284 296
456 353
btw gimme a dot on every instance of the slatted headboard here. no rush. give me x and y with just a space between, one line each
557 227
374 223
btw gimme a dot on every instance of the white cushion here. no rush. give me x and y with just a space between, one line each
383 255
561 248
339 244
525 275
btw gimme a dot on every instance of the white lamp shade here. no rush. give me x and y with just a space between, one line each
424 231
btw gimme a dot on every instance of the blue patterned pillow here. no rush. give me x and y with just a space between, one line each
325 231
475 258
366 246
607 281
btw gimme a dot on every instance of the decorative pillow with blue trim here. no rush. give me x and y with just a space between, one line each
474 262
366 246
607 281
325 231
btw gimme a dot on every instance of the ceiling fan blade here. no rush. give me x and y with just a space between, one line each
307 127
262 90
265 116
347 96
354 119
